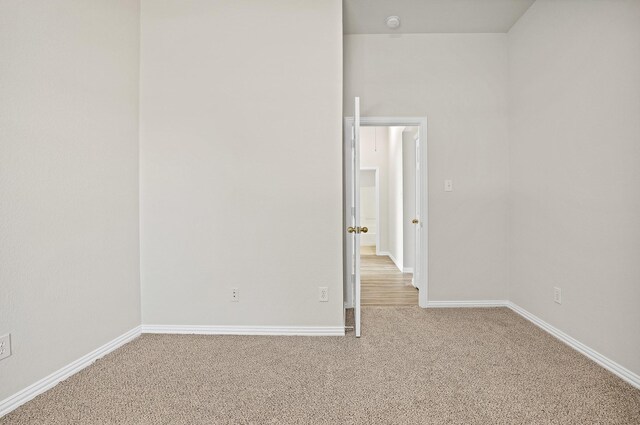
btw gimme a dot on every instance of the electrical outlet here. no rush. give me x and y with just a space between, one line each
557 295
5 346
235 295
323 292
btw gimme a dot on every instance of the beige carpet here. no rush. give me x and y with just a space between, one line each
411 366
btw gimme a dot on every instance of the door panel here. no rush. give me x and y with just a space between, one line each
356 212
418 214
352 216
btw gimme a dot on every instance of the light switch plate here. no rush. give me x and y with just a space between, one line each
448 185
557 295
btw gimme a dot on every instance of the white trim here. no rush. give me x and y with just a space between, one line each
603 361
244 330
468 304
395 261
23 396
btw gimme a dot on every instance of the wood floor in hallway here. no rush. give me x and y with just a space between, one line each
382 283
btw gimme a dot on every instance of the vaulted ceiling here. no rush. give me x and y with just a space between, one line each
432 16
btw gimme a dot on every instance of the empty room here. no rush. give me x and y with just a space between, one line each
319 212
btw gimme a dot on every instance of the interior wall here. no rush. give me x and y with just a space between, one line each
69 274
374 152
241 160
368 207
574 85
395 198
459 82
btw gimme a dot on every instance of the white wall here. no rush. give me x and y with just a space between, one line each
368 207
395 197
574 83
458 81
240 161
409 200
374 152
69 274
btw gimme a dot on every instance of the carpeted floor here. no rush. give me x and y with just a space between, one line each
411 366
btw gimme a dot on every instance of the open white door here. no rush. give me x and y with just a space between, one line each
352 216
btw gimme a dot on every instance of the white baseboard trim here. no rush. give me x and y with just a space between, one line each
398 265
18 399
245 330
396 262
603 361
467 304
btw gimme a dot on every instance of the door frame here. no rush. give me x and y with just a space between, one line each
421 122
376 171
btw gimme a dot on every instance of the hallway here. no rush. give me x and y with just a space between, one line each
382 283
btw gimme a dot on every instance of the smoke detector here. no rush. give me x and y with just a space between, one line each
393 22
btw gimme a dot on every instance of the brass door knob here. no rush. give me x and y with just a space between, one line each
415 221
364 230
351 229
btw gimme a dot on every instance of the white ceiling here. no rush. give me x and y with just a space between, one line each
432 16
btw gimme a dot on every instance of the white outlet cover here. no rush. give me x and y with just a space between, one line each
5 346
323 294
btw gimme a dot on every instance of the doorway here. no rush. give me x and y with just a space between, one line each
408 208
387 208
